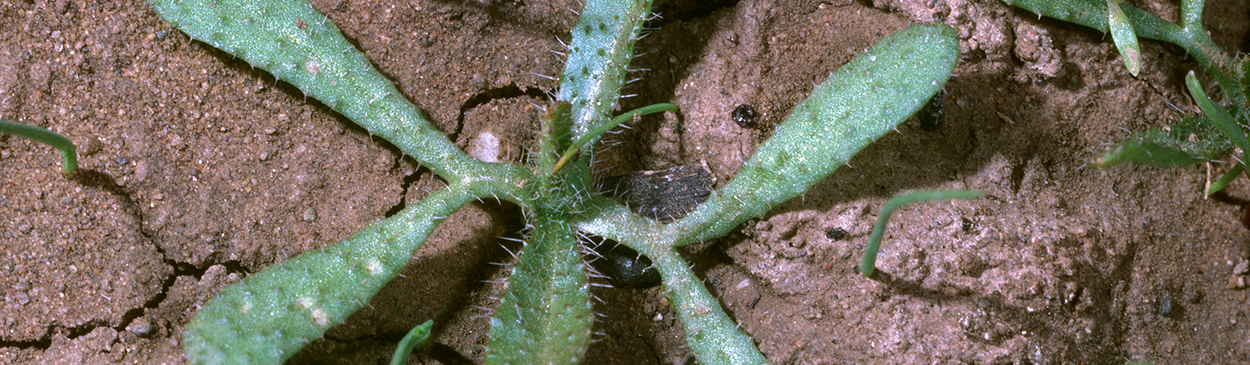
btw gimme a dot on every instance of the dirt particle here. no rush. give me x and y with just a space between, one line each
21 298
140 327
91 146
1235 282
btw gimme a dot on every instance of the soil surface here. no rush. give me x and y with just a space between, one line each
200 170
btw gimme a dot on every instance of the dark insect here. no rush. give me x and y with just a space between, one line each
931 115
626 267
835 233
744 115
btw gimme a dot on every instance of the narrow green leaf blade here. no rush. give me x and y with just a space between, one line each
270 315
1217 114
858 103
868 265
1124 37
69 153
416 340
1219 184
297 44
1190 141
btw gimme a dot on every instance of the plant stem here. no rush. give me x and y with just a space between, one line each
868 266
712 336
604 128
69 154
1189 34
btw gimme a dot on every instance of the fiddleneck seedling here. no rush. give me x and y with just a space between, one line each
545 316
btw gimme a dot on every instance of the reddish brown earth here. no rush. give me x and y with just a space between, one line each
200 170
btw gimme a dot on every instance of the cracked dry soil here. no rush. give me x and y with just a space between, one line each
200 170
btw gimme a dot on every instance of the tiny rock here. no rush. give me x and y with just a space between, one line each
1236 282
140 327
1242 268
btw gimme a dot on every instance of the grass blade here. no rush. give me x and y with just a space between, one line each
69 153
868 265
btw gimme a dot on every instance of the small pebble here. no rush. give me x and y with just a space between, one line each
1235 282
310 215
21 298
140 327
1165 305
91 147
1242 268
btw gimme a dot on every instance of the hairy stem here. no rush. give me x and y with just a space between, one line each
545 316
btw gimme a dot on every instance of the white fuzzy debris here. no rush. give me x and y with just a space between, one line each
486 148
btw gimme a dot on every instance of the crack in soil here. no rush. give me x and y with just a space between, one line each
103 181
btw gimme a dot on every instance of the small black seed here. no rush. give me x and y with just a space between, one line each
835 233
628 269
744 115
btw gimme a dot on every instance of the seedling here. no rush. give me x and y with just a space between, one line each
1196 138
69 153
544 317
868 265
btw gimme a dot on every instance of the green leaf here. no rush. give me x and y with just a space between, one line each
1192 140
272 314
415 340
545 315
868 265
1124 37
295 43
1228 177
860 102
